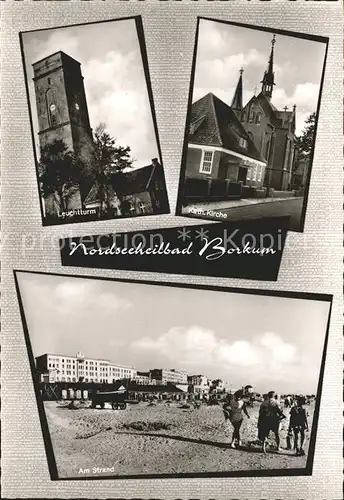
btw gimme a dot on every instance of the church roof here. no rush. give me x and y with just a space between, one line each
237 98
277 117
268 108
220 127
133 181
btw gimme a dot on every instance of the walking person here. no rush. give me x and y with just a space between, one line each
264 421
298 424
234 410
276 416
270 415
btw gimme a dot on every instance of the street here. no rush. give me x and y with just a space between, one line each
257 210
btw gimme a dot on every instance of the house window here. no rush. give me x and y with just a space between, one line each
248 176
260 173
254 173
243 143
206 162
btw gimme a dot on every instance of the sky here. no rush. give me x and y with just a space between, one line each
223 49
114 79
271 343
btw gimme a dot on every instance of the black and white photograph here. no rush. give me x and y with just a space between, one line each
94 130
135 379
251 125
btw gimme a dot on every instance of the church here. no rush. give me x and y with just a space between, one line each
271 130
240 151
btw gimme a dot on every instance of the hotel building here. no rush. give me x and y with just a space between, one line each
63 368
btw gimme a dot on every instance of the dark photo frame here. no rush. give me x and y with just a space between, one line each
244 160
186 407
85 170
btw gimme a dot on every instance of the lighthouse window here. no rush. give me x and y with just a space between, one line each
53 117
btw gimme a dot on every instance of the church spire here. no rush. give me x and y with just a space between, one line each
269 76
237 98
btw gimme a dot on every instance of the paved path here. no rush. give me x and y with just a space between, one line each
253 209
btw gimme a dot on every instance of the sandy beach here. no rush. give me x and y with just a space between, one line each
159 439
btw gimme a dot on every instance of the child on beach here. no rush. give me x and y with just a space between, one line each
298 424
233 410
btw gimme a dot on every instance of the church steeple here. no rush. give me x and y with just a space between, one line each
269 76
237 98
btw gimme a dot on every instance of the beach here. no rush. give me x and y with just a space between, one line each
160 438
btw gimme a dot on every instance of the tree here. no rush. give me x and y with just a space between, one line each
304 143
110 161
60 172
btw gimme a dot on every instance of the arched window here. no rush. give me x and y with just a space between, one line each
258 117
267 149
52 115
52 109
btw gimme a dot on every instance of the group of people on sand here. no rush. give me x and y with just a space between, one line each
270 416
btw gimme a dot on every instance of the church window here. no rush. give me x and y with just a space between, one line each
142 207
267 150
250 135
258 117
243 116
206 162
243 143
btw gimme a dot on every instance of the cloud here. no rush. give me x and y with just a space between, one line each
70 297
115 86
266 357
224 49
114 80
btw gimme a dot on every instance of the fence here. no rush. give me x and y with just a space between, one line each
56 391
211 189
